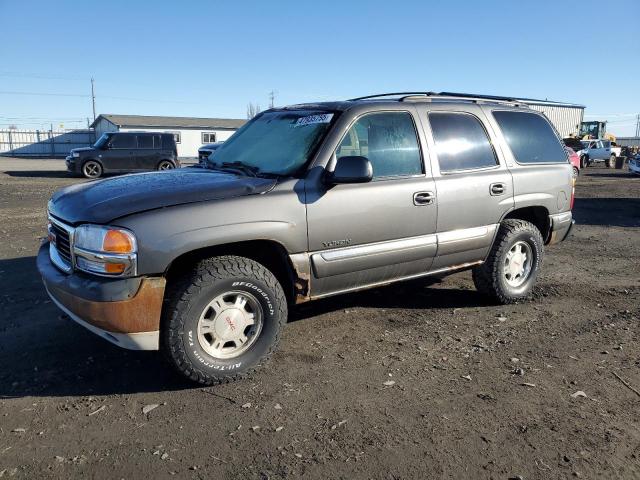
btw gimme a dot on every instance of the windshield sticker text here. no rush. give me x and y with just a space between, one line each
311 119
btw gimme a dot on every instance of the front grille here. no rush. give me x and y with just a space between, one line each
63 242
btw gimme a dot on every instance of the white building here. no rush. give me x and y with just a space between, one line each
190 133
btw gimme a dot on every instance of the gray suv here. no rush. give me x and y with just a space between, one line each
301 203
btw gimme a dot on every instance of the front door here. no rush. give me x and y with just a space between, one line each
474 190
121 150
368 233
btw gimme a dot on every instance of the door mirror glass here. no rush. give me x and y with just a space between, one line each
351 169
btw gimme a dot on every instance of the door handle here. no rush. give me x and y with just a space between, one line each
497 189
423 198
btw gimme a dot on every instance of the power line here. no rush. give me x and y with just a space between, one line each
40 76
46 94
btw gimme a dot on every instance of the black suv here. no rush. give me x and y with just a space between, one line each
120 152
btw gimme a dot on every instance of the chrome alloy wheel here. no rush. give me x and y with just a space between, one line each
517 264
165 165
91 169
230 324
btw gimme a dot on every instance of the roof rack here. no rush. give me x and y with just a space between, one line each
470 97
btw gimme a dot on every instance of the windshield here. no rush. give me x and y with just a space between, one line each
278 142
102 141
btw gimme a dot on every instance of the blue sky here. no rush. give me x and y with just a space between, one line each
212 58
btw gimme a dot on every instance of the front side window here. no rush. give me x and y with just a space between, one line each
208 137
461 142
123 141
388 140
530 137
276 142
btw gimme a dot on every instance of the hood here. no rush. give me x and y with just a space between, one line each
102 201
82 149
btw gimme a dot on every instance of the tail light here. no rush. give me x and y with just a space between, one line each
573 191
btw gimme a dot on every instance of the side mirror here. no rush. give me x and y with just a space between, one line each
351 169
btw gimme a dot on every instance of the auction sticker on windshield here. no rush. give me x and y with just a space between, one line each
311 119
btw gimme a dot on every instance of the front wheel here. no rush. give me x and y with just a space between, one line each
584 161
513 264
223 319
91 169
576 173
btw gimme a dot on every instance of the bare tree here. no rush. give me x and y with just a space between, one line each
252 110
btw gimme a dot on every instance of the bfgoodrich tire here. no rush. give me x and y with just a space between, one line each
222 320
512 267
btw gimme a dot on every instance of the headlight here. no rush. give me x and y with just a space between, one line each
105 250
75 154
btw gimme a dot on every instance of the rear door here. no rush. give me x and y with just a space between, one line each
145 156
474 189
542 174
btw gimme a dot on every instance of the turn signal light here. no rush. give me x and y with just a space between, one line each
117 241
116 268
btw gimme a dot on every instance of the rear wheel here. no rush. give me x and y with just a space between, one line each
223 320
611 163
91 169
166 165
576 173
512 267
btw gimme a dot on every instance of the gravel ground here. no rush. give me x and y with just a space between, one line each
417 380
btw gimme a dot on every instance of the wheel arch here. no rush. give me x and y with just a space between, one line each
537 215
269 253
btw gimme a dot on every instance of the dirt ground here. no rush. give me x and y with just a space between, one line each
481 390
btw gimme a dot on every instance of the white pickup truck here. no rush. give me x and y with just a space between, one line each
599 150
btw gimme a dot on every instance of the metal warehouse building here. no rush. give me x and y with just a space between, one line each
190 133
566 117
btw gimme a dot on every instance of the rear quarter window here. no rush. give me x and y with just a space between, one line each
530 137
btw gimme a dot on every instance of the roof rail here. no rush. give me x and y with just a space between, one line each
394 94
470 97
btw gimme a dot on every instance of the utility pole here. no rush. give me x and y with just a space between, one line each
272 97
93 100
638 125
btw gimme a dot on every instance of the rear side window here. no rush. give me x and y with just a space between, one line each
530 137
461 142
156 142
123 141
388 140
145 141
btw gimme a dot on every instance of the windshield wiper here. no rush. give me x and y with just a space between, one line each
238 167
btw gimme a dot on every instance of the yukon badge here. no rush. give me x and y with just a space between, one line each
337 243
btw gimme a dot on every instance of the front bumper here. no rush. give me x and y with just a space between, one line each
561 225
125 312
72 164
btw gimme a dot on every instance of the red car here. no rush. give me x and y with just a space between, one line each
575 161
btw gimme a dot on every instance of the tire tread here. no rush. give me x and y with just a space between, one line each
486 277
182 292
